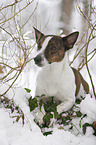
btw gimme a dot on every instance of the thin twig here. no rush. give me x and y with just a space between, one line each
16 13
79 68
11 84
86 50
81 12
82 49
14 68
30 15
10 5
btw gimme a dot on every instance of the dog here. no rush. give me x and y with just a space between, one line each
57 78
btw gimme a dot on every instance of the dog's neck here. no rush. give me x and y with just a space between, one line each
57 66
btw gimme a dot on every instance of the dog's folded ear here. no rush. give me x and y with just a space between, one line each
39 37
70 40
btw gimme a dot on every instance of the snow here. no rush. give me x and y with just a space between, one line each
14 133
88 106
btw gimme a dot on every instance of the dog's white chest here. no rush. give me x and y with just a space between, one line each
54 80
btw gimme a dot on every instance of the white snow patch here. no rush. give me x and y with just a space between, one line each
88 106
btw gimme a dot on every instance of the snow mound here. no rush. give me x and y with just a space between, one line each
88 106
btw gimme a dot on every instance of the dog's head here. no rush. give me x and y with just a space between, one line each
52 48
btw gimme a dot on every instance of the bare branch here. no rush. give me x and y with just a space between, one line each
86 50
17 12
10 5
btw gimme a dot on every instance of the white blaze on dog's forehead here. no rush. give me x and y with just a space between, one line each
45 43
41 51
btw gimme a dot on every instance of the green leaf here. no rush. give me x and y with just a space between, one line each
27 90
40 104
66 120
47 133
43 95
78 101
47 118
32 103
85 126
55 115
71 126
40 96
61 127
80 124
82 119
37 96
79 114
50 107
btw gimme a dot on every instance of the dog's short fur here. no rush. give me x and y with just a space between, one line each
57 78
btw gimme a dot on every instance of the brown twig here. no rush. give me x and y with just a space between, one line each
83 47
83 63
17 12
10 5
86 50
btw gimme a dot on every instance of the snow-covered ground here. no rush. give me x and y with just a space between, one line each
15 133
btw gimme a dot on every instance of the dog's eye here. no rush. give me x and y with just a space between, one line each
53 48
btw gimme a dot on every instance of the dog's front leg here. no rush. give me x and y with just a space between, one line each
65 106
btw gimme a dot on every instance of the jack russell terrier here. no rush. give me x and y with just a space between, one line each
57 78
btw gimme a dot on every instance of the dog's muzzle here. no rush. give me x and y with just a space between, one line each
38 60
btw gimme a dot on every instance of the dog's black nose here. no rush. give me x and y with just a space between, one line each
38 59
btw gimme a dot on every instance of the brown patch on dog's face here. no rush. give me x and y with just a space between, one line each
55 51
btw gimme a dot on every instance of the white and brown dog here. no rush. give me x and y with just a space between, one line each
57 78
